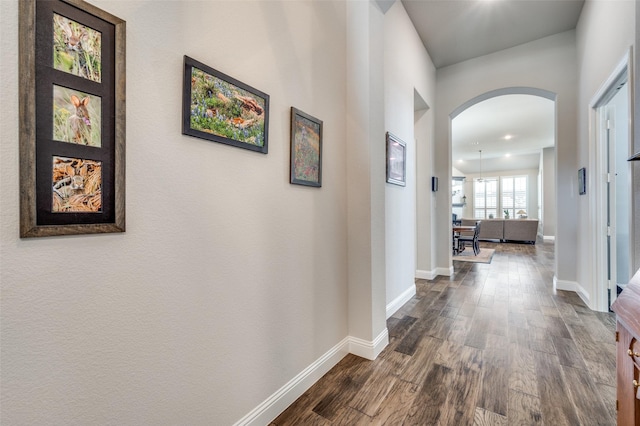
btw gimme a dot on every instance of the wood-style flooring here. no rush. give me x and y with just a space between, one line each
490 345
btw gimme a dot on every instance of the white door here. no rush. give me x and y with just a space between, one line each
615 114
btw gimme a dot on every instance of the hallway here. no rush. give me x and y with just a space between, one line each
490 345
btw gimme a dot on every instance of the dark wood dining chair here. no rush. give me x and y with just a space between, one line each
471 239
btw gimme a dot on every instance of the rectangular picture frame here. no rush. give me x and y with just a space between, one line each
396 160
219 108
582 181
72 119
306 149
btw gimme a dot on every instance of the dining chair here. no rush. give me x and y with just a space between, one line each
472 239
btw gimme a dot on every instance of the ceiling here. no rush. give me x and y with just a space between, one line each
511 131
458 30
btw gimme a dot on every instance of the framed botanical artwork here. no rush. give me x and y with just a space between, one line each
219 108
72 119
306 149
396 160
582 181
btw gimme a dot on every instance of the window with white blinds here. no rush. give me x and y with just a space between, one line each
492 196
514 195
485 198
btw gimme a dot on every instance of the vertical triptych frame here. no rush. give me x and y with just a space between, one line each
72 119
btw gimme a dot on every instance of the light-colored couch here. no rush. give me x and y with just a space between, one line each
506 229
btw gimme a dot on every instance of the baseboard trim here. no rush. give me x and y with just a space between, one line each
367 349
572 286
447 272
273 406
425 275
548 238
399 301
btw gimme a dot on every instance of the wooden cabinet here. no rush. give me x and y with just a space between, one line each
627 309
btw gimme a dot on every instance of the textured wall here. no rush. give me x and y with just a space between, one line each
229 281
605 34
409 74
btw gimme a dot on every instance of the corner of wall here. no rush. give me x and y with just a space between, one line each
575 287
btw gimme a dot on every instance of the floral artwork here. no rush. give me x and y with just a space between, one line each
76 48
76 185
306 148
222 109
76 117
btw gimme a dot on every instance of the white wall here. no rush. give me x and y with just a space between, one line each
229 281
604 35
408 69
365 174
548 64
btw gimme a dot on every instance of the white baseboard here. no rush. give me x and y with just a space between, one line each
572 286
271 407
425 275
401 300
366 349
548 238
447 272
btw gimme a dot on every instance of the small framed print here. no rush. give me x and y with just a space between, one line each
72 119
306 149
396 160
219 108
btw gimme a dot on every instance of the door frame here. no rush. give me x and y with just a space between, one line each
597 180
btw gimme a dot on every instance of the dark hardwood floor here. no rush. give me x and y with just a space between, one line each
490 345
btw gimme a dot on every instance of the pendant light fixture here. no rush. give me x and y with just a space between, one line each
480 178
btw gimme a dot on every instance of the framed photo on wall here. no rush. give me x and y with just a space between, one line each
396 160
219 108
306 149
72 119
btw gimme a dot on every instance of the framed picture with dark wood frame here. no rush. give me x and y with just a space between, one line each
72 119
306 149
219 108
396 160
582 181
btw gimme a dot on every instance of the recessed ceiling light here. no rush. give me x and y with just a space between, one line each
508 137
507 155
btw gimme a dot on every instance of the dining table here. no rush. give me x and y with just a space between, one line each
456 230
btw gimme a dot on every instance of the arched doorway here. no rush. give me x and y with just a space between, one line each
498 138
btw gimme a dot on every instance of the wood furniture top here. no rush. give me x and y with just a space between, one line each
627 305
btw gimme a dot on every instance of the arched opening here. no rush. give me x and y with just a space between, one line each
503 157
